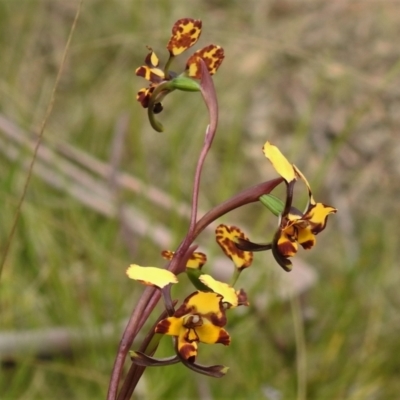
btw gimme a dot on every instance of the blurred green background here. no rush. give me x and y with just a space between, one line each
319 79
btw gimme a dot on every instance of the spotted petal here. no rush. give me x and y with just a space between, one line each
227 237
151 276
143 96
150 71
185 34
279 162
212 55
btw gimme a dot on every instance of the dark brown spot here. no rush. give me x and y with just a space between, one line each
183 310
163 326
224 338
308 244
141 71
187 351
218 320
286 248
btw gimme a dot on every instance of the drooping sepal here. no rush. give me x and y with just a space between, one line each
144 360
246 245
215 371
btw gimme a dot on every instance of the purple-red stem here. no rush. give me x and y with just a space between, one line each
136 371
247 196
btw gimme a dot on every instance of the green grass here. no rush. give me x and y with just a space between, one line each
320 80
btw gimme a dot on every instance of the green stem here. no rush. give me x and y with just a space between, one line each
167 65
235 276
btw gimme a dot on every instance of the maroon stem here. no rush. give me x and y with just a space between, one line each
136 371
247 196
289 198
128 336
210 99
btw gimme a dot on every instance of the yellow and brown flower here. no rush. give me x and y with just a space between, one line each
199 319
185 33
295 227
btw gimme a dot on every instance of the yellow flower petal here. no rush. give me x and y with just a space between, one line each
317 216
212 55
151 276
185 34
170 326
279 162
204 303
227 292
226 237
306 238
